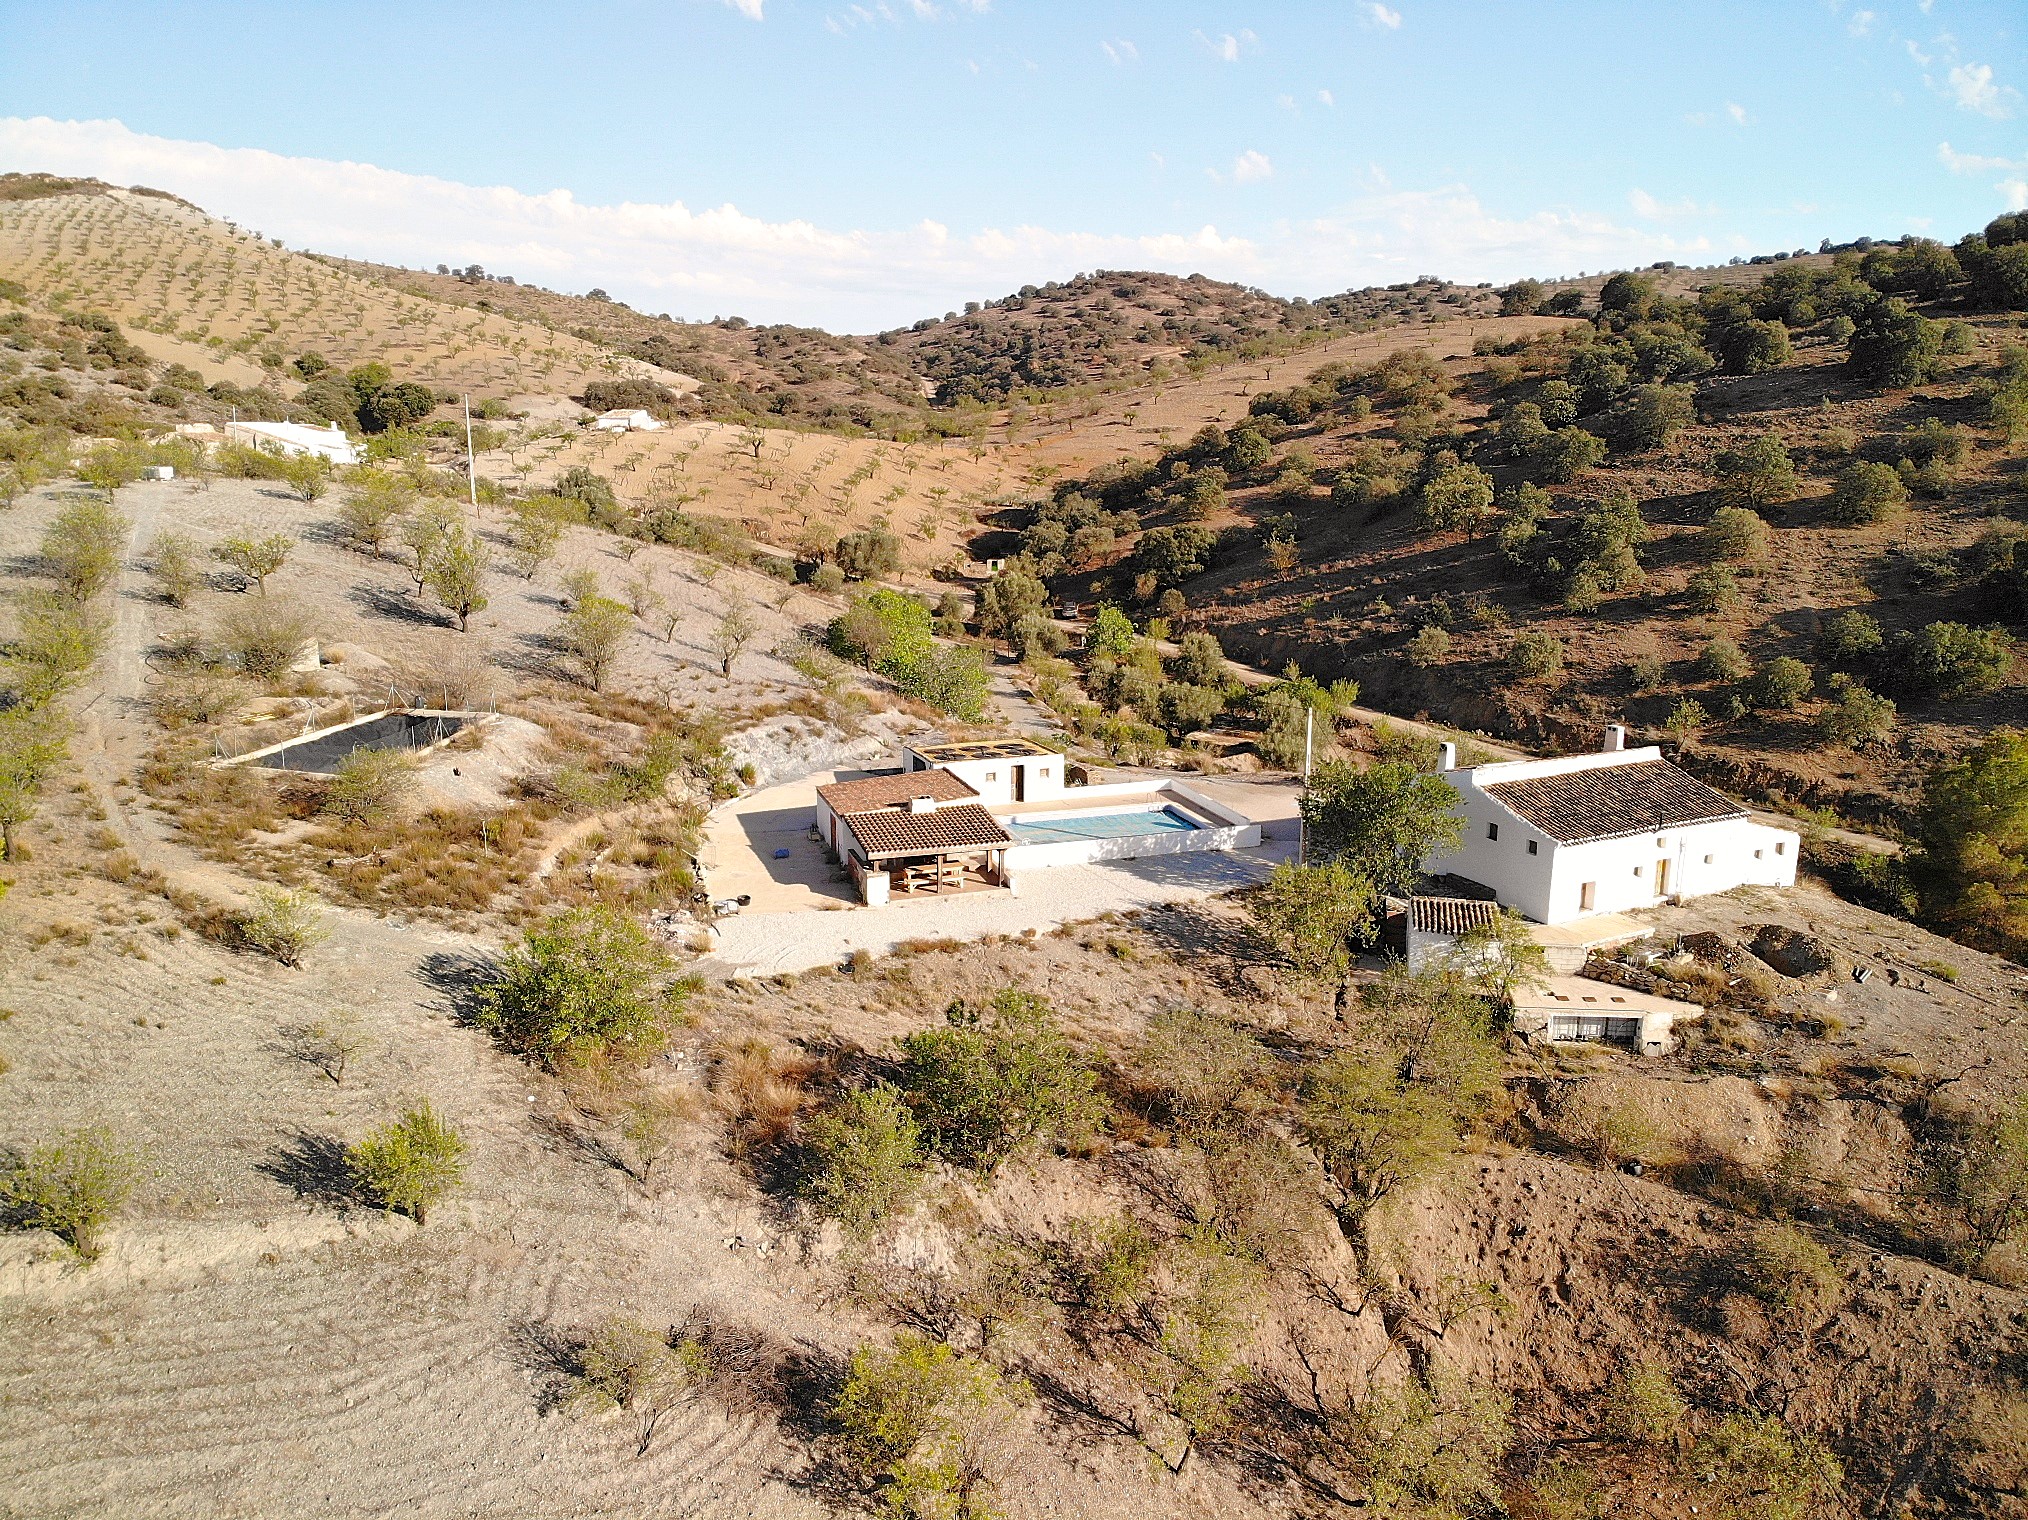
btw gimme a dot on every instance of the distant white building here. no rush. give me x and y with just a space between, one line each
294 438
1580 835
626 421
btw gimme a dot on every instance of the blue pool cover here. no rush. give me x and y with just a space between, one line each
1099 826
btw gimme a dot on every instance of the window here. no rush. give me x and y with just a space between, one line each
1760 854
1782 848
1637 870
992 775
1043 773
1534 847
1492 831
1707 860
1587 896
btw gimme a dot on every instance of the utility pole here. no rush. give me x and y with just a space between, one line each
471 466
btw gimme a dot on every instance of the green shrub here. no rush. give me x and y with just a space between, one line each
1535 656
1895 347
1563 454
906 1417
624 1364
1786 1267
370 786
1722 660
986 1088
1866 493
863 1158
1643 1407
1849 637
1736 534
1457 497
409 1165
1951 660
73 1186
1649 416
1857 717
1713 588
586 981
1755 1467
263 637
827 579
1780 685
1429 647
281 924
173 559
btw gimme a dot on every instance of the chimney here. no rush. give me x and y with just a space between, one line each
1447 756
1616 738
922 804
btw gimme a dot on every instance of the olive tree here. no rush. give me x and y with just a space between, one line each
255 558
592 631
457 574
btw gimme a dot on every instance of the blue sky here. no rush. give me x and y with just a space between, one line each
859 165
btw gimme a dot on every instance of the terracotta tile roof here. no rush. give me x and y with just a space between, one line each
1449 915
897 790
1611 801
954 826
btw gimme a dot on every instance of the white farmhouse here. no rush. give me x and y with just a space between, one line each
1581 835
626 420
294 438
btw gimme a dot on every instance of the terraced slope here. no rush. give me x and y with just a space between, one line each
223 295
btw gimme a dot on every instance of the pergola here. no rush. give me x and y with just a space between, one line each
932 848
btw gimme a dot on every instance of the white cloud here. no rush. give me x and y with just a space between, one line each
1915 52
1380 16
1860 24
1119 52
1228 47
1646 205
1974 163
721 260
1324 98
1971 86
751 9
1251 167
2016 192
1737 112
1286 102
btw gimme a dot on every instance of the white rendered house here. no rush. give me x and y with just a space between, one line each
295 438
1579 835
626 420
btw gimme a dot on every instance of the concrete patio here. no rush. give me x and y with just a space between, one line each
801 917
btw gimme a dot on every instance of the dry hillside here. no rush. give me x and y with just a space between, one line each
1321 551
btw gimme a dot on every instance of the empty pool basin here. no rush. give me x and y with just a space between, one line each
322 753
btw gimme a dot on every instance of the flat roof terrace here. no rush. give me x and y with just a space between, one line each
982 749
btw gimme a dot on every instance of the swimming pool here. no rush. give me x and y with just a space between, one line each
1100 826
